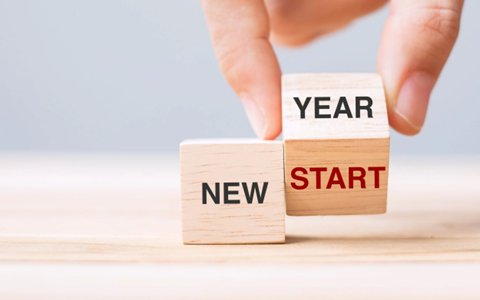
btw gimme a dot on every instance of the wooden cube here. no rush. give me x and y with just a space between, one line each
337 142
233 191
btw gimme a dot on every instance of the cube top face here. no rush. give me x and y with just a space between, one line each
337 144
333 106
227 141
232 191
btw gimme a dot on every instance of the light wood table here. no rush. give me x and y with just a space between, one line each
108 227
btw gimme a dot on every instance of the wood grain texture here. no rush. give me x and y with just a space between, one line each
343 154
109 227
346 142
111 208
239 161
333 86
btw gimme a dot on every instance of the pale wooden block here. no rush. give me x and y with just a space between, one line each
336 147
240 162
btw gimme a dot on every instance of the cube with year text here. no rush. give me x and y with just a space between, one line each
337 143
232 191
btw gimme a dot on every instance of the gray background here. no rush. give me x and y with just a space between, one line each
142 76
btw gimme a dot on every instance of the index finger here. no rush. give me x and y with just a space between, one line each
240 33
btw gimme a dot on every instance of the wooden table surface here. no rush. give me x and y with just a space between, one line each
108 227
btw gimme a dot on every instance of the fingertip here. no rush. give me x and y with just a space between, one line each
273 131
407 114
256 115
401 124
266 124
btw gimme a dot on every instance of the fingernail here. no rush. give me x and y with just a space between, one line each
412 101
256 116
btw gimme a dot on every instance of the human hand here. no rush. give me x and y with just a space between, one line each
417 39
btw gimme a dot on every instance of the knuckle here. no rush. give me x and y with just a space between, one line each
227 49
230 60
234 59
443 24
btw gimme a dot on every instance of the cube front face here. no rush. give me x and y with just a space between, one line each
232 192
337 144
336 177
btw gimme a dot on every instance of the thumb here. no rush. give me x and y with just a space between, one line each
416 42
